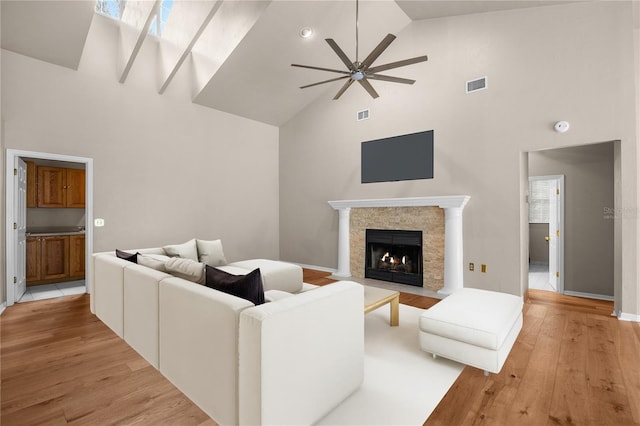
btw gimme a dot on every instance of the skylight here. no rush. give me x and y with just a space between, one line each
117 9
163 15
111 8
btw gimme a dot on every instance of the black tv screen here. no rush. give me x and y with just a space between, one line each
405 157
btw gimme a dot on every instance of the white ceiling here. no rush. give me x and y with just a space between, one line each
255 79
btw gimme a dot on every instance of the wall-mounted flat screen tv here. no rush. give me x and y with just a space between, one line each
405 157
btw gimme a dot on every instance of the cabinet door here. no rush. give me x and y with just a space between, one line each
75 188
34 259
32 178
76 256
55 257
51 187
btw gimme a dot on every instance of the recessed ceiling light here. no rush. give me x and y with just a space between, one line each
306 32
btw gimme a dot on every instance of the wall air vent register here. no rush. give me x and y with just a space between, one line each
362 115
477 84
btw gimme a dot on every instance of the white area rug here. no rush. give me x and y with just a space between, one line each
402 384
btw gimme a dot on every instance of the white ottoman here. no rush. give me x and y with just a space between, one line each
472 326
276 275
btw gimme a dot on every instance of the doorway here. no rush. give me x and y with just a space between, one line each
16 220
546 233
588 239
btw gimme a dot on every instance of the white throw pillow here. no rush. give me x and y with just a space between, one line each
210 252
153 261
186 250
186 269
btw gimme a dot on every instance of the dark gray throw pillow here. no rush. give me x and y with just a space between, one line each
248 286
131 257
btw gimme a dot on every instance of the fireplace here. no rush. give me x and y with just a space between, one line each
395 256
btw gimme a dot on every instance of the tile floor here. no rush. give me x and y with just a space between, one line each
50 291
539 277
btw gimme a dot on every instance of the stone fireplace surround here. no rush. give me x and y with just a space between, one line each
389 209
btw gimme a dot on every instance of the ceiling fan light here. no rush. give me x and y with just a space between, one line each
358 75
306 32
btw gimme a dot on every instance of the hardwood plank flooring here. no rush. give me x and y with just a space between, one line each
572 364
60 365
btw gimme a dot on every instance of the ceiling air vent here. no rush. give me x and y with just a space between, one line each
363 115
477 84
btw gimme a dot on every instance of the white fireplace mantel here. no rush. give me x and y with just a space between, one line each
452 205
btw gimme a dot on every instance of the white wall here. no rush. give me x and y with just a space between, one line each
165 170
566 62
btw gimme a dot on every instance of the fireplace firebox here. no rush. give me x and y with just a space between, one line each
394 256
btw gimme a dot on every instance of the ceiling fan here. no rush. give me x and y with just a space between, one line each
363 71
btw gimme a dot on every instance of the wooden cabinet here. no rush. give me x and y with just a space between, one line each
32 177
60 187
76 256
34 260
51 187
55 258
75 188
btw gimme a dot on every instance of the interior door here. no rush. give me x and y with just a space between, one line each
20 220
554 231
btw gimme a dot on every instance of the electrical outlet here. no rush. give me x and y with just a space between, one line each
472 266
483 268
98 222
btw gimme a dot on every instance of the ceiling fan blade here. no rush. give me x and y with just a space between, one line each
377 51
323 82
320 68
368 87
340 53
391 79
343 89
397 64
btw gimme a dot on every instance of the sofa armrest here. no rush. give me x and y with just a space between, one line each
199 345
141 310
301 356
107 295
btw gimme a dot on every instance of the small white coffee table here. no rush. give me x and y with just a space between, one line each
375 297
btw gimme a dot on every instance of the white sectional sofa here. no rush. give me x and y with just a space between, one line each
289 361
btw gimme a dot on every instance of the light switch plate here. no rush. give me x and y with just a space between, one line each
98 222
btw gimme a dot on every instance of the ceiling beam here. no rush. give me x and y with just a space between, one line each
189 47
141 37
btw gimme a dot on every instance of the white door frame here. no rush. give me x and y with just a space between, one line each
560 239
10 234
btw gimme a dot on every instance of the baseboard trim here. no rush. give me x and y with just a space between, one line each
3 307
629 317
317 268
589 295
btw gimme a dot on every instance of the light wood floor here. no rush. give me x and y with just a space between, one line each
573 364
61 365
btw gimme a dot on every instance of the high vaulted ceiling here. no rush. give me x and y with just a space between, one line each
242 50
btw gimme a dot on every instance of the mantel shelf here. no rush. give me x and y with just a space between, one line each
447 201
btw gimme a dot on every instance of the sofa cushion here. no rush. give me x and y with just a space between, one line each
247 286
131 257
153 261
186 269
187 250
210 252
